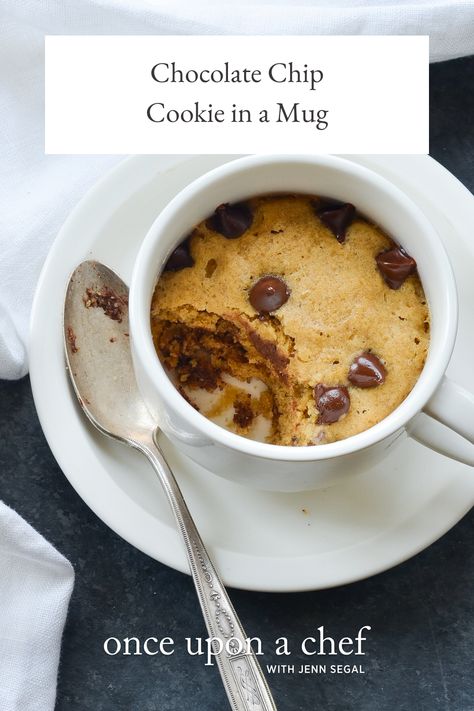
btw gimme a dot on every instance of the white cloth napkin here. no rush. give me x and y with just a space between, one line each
35 586
37 192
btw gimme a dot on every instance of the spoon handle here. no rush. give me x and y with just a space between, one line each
241 673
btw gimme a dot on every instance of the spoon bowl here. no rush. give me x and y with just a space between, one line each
97 346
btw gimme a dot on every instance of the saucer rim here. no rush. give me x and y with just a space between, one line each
236 567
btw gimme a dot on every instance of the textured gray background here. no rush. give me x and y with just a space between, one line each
419 652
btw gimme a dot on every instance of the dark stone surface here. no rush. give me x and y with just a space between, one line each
419 654
451 117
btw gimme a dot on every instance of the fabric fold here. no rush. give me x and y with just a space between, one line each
35 587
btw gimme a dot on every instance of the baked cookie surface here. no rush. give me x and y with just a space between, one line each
303 295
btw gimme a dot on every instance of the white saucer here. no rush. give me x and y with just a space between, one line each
259 540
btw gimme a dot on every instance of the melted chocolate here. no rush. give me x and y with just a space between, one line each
367 371
243 415
395 265
332 401
270 351
268 294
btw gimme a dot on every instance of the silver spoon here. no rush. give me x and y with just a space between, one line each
97 345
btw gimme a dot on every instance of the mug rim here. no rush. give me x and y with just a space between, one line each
144 350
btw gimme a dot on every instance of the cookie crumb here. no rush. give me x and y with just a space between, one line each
112 305
71 337
243 416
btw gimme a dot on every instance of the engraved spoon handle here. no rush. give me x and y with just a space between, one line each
241 673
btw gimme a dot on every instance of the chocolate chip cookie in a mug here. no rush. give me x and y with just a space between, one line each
291 317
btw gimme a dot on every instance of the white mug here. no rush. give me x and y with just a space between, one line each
285 468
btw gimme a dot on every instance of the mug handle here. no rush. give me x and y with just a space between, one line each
453 406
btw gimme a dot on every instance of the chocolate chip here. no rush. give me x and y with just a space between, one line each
180 258
231 220
269 350
332 402
395 265
367 371
211 267
268 294
337 216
